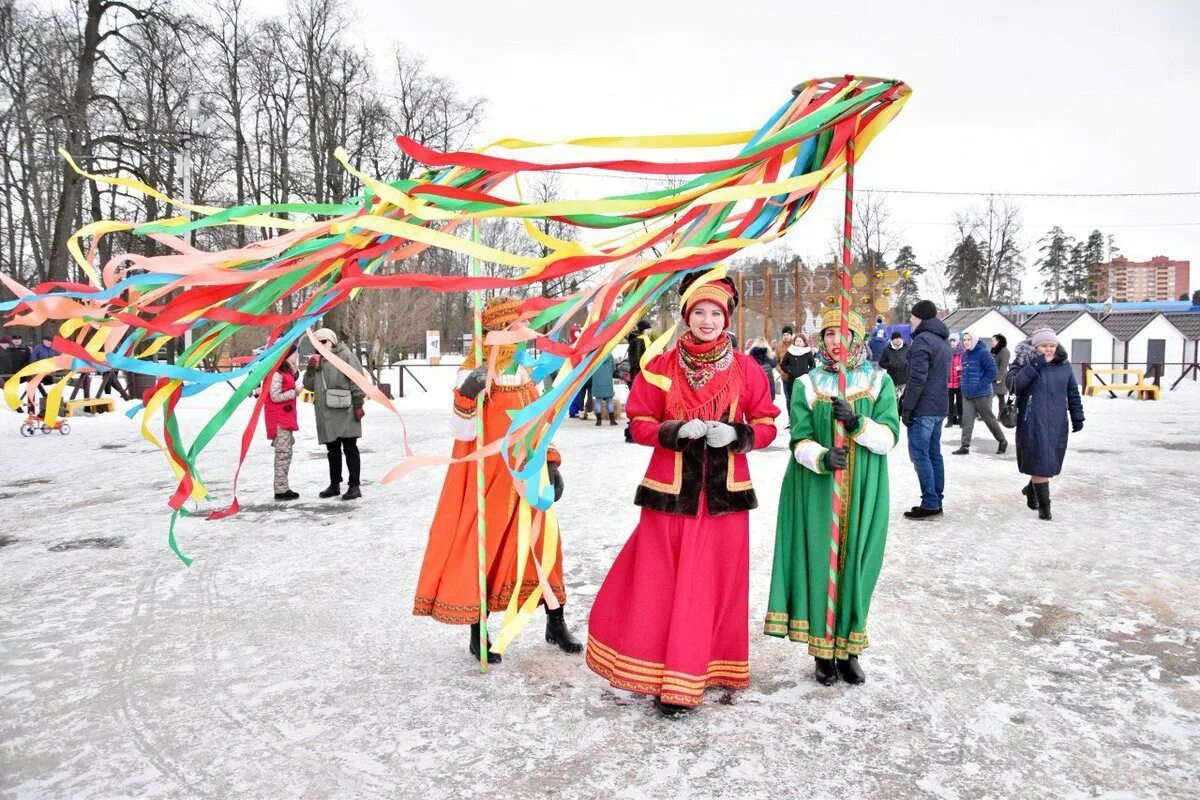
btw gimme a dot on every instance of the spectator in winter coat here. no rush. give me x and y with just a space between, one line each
19 354
603 390
798 360
281 422
979 371
923 409
339 411
786 337
879 340
43 350
639 342
6 356
1047 398
895 361
1001 356
760 351
954 385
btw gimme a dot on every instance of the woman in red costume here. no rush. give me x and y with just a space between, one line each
672 617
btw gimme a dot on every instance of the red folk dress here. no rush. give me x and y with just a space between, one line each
672 617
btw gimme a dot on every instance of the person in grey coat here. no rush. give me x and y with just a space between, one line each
1047 403
603 390
1000 355
339 411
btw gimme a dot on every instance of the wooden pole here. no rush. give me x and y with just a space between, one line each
741 312
797 322
768 298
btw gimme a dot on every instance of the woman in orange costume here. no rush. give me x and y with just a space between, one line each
672 617
448 586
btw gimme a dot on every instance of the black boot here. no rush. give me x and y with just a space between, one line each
1030 497
851 671
1042 490
352 492
962 451
826 671
599 420
493 657
1002 447
557 633
612 418
670 710
288 495
332 490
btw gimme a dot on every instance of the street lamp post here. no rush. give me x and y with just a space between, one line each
185 172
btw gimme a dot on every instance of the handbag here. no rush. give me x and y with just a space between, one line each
1009 414
337 398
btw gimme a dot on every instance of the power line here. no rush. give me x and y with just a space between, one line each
1029 194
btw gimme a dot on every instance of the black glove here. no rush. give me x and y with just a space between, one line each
906 417
843 411
556 479
475 383
836 458
1076 427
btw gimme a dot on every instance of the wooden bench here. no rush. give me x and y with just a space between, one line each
1139 388
94 405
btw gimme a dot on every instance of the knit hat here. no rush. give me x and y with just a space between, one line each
500 312
721 291
643 325
1043 336
325 333
832 318
787 329
924 309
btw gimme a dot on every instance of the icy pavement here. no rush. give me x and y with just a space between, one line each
1010 657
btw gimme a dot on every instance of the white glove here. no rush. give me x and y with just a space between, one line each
693 429
720 435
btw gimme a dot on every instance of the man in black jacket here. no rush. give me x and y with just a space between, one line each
924 405
895 360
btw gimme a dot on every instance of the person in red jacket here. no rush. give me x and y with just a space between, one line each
280 420
671 618
954 417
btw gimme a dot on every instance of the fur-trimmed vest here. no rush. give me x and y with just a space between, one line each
680 469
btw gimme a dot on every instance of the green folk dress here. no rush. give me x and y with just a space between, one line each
800 575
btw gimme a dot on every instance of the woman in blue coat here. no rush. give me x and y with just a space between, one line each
1047 394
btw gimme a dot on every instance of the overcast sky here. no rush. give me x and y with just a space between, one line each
1016 96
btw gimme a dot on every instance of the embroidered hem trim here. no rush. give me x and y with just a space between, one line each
779 625
648 677
455 614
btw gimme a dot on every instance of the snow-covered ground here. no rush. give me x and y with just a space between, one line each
1010 657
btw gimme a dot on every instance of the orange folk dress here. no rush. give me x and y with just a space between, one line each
448 585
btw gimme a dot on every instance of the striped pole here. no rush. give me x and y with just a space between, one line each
840 489
480 485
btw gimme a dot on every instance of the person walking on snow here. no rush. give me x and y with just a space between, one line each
1000 355
923 407
760 351
279 418
448 585
798 360
954 383
603 390
339 410
978 375
1047 400
672 616
895 361
801 575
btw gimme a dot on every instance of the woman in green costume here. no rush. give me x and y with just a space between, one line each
800 577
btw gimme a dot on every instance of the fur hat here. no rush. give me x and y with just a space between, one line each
924 309
325 333
1043 336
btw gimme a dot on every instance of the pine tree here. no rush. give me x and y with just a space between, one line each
964 272
908 292
1094 260
1075 282
1054 264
